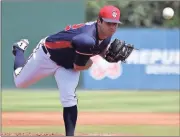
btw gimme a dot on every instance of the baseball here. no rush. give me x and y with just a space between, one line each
168 13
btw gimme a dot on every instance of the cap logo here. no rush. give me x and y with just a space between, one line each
114 14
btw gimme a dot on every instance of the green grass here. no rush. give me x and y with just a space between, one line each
114 101
129 130
124 101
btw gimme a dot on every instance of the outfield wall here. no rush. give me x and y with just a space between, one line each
34 20
154 66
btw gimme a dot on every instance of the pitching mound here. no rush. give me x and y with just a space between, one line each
55 134
93 118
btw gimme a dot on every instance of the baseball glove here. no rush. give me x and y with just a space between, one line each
118 51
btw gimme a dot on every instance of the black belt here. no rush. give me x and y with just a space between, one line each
46 52
44 49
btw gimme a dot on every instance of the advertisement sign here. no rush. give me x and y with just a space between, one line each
156 65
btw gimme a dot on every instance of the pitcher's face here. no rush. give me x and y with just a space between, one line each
107 29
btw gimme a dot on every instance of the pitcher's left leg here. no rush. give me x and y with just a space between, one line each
67 81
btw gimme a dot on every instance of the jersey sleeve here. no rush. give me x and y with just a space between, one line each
83 44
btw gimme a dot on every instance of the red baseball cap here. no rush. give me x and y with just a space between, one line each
110 14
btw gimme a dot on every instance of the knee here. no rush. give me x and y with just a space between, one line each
69 103
20 85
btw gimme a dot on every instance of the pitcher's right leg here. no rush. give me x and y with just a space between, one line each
18 51
37 66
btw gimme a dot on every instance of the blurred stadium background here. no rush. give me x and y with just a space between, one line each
147 84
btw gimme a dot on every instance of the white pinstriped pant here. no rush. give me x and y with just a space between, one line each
39 66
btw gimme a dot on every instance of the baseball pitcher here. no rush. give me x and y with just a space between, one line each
68 52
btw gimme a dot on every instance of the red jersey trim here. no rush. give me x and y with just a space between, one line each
58 44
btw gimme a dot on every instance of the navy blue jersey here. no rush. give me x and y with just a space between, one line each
75 44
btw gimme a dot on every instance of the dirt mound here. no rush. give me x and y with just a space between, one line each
56 134
30 134
92 118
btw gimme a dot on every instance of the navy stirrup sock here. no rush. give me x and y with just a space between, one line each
19 59
70 118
